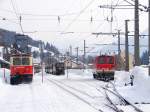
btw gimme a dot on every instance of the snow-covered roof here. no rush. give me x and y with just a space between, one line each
1 59
36 60
52 53
34 48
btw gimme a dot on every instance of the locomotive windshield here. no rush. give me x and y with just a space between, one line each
110 60
25 61
21 61
16 61
60 65
101 60
106 60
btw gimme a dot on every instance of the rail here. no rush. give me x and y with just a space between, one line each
121 98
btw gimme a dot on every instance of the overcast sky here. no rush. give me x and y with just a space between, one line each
40 20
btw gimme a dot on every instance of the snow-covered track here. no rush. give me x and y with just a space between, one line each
122 99
112 106
68 90
82 92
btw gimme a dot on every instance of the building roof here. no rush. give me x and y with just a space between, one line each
4 61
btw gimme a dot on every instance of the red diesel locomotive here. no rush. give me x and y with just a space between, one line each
104 67
21 68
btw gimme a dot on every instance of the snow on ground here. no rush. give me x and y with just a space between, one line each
121 77
55 94
139 93
76 91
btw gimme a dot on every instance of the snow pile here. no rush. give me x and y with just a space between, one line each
121 78
141 77
139 92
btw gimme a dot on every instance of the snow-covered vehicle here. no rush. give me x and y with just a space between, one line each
104 67
21 68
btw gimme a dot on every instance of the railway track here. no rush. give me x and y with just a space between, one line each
123 100
82 92
112 106
70 90
83 96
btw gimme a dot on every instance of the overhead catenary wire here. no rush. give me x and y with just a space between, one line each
117 45
18 17
6 19
112 7
46 15
68 26
139 5
55 19
66 20
117 3
89 35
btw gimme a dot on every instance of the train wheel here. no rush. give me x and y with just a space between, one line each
29 79
13 81
106 79
63 72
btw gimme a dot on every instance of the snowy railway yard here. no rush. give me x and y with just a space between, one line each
77 92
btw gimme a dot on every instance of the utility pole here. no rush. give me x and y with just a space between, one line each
84 54
71 55
119 49
126 46
149 36
136 34
111 20
41 52
70 50
77 50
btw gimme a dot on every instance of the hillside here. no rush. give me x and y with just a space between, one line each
8 38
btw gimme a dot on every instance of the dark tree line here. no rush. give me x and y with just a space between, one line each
51 47
23 43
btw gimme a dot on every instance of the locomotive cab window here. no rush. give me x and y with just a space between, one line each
25 61
16 61
59 65
110 60
21 61
101 60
